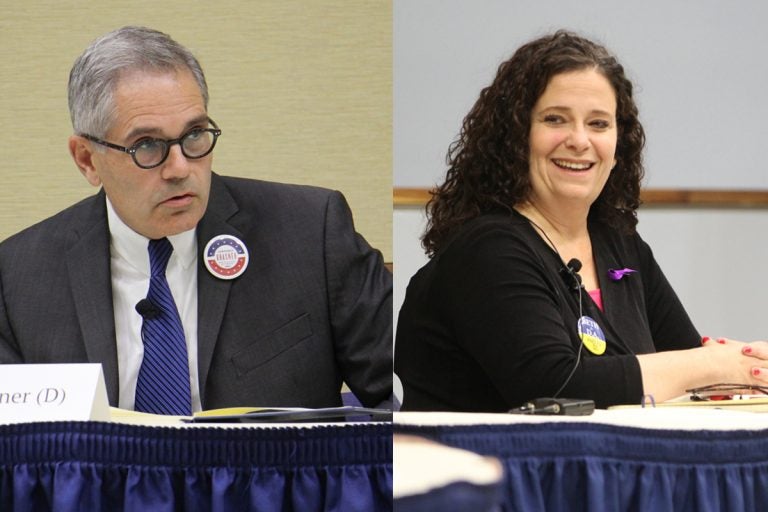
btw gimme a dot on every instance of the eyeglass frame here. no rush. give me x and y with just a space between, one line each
131 150
725 386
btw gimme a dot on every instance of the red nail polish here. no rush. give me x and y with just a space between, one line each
755 371
721 341
705 339
747 350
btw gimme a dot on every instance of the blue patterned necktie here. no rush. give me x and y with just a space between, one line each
163 383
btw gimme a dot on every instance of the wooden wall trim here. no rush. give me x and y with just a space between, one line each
410 196
418 197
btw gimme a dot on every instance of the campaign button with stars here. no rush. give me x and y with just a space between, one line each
226 257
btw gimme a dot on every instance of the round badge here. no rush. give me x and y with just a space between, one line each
226 256
591 335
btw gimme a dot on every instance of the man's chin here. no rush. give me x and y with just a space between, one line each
175 224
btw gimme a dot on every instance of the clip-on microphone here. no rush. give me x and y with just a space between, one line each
570 274
147 309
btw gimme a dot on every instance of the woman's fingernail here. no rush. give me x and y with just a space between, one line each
755 371
746 350
721 341
705 339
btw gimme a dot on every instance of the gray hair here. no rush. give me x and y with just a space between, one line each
96 72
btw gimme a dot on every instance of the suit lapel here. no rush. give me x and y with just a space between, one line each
88 264
212 293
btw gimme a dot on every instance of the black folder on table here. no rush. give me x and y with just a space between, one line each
298 415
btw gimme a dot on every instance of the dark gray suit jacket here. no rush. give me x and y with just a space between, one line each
313 308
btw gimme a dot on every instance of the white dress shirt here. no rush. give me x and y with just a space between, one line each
129 262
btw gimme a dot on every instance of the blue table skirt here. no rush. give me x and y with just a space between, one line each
594 467
90 466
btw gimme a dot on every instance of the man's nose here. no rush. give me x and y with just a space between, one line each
176 166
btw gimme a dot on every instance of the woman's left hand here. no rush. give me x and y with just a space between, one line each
759 351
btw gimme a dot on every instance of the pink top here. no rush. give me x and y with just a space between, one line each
597 297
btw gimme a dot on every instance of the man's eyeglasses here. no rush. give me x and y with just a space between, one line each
148 153
725 391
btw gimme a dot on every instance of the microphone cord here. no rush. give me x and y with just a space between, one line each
581 312
578 353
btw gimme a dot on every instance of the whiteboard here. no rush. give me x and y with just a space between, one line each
699 67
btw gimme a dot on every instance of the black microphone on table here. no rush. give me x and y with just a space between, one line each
147 309
570 274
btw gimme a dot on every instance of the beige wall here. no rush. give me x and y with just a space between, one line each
302 90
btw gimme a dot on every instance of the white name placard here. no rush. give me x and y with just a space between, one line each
52 392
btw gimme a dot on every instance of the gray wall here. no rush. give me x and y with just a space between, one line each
699 68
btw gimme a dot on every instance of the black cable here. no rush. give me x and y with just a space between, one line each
578 354
578 322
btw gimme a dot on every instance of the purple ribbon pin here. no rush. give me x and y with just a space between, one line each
617 275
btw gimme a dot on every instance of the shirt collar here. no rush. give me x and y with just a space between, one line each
132 247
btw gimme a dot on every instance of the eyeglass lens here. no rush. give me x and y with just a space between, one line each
152 152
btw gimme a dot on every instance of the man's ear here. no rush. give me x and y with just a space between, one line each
82 153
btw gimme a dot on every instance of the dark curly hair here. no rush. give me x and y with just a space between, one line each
488 163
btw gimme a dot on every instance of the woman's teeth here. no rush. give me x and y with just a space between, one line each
574 166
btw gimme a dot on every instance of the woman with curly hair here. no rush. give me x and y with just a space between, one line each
538 284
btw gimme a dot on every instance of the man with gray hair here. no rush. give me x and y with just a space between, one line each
193 290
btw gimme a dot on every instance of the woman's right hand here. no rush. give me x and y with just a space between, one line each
722 361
